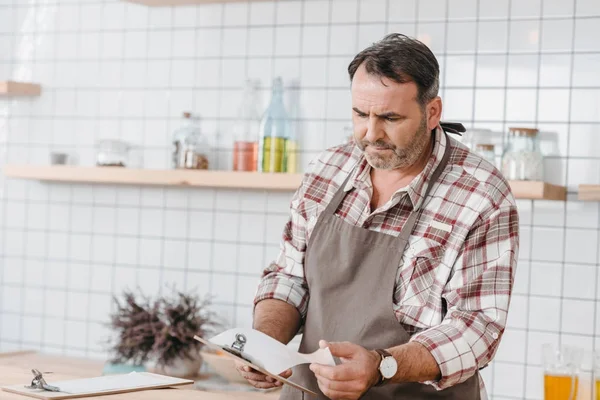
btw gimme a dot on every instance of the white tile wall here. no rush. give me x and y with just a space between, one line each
113 69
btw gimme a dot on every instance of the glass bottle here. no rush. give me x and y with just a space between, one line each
522 159
246 131
274 131
291 153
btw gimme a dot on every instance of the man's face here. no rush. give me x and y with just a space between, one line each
389 125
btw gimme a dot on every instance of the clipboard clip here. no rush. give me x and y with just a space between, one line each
39 382
237 347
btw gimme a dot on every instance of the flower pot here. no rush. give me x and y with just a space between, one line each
182 367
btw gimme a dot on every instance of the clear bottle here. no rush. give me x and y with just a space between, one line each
274 131
189 145
246 131
522 159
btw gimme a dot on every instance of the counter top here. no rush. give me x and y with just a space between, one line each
15 368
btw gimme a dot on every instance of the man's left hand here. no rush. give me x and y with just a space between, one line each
358 372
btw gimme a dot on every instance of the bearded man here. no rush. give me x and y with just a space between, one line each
400 250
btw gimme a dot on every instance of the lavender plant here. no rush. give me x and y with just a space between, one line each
160 329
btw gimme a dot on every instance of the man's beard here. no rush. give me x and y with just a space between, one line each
397 158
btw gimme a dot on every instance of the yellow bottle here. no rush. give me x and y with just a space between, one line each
273 154
291 154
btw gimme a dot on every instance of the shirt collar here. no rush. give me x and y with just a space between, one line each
361 178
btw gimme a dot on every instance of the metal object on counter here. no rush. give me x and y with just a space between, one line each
58 158
39 382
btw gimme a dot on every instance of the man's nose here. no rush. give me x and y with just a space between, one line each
374 131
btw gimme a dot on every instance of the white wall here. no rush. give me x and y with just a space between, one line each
110 69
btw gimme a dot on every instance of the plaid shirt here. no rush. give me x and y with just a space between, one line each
454 283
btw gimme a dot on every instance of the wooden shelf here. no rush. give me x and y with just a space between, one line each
222 179
589 192
534 190
170 3
128 176
12 88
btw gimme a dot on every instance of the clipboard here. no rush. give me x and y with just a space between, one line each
234 352
159 382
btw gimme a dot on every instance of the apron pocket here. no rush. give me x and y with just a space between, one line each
419 271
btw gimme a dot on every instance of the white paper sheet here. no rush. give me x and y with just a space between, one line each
270 354
114 382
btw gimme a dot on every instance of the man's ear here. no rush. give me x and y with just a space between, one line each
434 112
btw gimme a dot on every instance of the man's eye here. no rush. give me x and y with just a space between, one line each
361 115
391 119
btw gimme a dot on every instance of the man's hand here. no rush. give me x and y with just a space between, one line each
258 379
358 372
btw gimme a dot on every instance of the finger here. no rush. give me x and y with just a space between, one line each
286 374
335 394
350 387
340 373
255 376
262 385
343 349
323 344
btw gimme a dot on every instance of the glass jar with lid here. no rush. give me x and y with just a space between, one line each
487 151
190 147
112 153
522 158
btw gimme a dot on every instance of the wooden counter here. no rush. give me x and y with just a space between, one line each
15 368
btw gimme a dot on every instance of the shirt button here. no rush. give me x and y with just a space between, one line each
495 335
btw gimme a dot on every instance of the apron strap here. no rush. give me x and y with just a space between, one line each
453 127
339 195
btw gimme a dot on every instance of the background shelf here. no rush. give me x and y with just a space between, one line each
535 190
12 88
223 179
169 3
128 176
589 192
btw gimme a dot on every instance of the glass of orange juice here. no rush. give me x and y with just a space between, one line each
597 374
561 371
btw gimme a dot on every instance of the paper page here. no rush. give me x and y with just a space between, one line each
113 382
270 354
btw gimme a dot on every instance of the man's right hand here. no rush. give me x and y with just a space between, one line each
258 379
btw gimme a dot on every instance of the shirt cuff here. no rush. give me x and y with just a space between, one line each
452 353
284 290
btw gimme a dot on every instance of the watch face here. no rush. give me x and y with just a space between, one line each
388 367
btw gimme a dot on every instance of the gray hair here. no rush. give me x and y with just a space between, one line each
401 59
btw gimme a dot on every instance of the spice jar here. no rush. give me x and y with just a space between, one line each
487 151
522 159
112 153
189 145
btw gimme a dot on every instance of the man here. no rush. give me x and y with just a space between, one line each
400 251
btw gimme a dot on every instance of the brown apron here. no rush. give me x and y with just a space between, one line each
351 274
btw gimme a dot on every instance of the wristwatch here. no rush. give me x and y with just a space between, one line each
388 366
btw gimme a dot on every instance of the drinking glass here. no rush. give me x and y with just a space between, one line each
561 371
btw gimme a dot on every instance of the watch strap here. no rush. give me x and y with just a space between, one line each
383 353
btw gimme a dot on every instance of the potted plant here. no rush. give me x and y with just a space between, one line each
161 332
